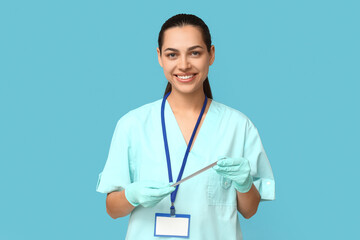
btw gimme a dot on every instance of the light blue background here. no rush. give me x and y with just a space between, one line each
70 69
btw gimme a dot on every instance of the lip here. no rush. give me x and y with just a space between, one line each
185 80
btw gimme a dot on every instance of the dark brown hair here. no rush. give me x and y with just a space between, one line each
181 20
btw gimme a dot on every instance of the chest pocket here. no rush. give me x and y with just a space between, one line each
220 190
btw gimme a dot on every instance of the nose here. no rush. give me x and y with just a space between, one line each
184 63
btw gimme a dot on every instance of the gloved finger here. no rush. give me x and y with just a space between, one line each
161 192
166 191
229 162
229 175
155 185
230 169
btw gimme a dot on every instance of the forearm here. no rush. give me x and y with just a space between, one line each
247 203
117 205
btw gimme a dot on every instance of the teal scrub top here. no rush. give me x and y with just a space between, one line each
137 154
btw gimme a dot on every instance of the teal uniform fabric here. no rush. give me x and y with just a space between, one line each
137 153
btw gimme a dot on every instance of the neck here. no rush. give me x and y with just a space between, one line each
186 103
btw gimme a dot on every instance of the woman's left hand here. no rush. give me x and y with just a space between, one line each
237 170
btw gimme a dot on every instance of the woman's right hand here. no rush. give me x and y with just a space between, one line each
147 193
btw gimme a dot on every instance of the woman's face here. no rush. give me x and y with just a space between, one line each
185 59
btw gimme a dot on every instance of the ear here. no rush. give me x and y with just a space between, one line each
159 56
212 55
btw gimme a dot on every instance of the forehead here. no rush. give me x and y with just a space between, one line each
182 37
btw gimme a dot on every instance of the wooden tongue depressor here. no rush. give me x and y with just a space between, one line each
194 174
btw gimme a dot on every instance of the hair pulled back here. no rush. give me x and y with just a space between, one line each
181 20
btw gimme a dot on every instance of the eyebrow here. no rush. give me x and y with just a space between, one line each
189 49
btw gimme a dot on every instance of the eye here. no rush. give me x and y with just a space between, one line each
171 55
195 53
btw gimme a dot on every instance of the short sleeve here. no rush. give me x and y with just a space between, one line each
260 166
116 173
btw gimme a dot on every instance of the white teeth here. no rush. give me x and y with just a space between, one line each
185 77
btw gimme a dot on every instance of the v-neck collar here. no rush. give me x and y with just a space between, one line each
175 125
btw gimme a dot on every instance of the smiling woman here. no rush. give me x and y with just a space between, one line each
185 59
195 131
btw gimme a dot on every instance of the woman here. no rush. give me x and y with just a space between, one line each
158 140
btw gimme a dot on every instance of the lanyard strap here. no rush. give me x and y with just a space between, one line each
173 194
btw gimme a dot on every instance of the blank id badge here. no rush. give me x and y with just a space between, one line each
172 226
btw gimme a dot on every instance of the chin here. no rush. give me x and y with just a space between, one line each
186 91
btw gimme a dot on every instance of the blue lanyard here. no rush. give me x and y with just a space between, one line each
173 194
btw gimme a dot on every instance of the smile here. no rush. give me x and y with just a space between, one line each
185 78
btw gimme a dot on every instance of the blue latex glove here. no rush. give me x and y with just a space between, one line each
237 170
147 193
